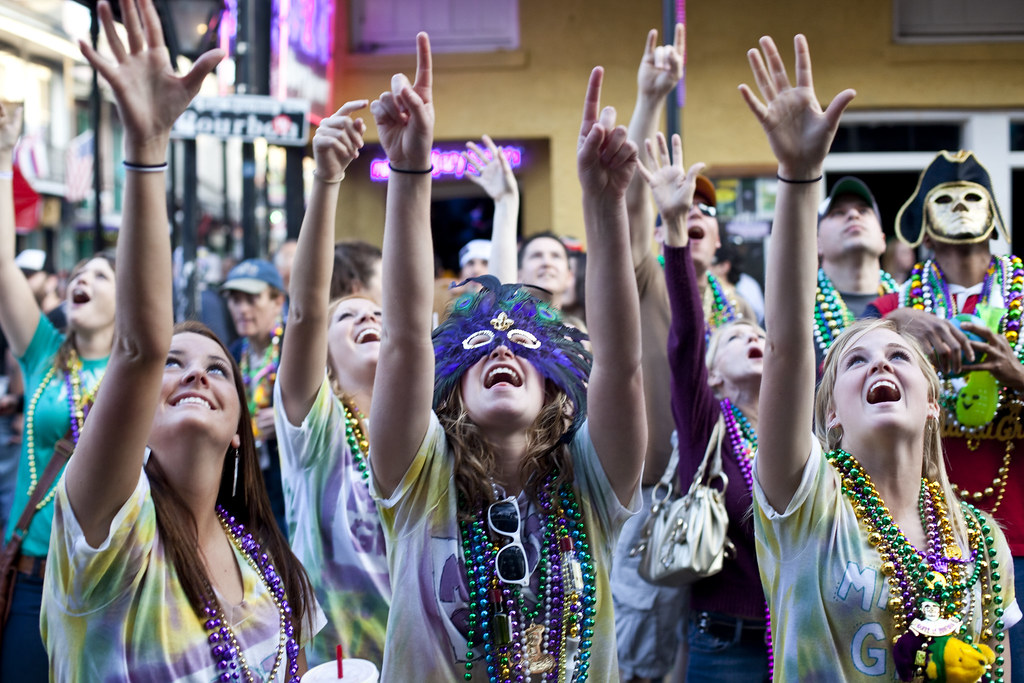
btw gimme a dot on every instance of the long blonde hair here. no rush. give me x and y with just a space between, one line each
933 466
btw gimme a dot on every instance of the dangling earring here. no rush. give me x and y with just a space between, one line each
835 435
234 480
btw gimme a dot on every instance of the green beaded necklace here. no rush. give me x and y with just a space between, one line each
831 314
355 437
940 575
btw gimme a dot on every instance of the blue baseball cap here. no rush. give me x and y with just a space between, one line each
252 276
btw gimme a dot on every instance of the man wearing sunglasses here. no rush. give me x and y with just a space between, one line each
850 248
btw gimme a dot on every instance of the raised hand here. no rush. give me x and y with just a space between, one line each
662 65
605 157
337 142
10 124
672 185
150 96
491 170
405 116
799 132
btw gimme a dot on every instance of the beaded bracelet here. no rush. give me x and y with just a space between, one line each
145 168
329 181
799 182
6 175
402 170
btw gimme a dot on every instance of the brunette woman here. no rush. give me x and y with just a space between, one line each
166 563
502 504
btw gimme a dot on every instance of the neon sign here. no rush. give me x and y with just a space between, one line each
446 163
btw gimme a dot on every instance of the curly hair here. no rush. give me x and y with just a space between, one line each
475 458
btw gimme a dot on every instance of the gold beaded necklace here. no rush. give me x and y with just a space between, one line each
77 402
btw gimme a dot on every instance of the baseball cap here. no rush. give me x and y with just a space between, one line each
31 261
705 188
252 276
848 185
474 249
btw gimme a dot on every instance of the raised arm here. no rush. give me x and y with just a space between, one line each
403 388
19 312
661 67
493 173
105 467
336 143
800 134
605 161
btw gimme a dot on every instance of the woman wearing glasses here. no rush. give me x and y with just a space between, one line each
501 506
715 390
332 519
872 565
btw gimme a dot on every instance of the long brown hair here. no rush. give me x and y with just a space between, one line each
62 359
251 507
475 457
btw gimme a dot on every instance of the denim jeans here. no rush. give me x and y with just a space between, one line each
23 657
1016 648
723 651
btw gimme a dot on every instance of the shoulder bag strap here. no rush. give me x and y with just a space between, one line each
61 452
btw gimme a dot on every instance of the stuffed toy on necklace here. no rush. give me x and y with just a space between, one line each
929 649
977 395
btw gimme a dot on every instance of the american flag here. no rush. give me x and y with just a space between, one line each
78 172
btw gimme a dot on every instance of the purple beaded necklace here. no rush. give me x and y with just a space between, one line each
743 440
223 643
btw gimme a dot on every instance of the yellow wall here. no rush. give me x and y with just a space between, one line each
536 93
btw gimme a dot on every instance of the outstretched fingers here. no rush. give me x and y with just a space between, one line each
776 67
151 24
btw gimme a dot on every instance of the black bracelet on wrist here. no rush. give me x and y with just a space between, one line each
144 168
402 170
799 182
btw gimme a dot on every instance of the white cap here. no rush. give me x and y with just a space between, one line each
474 249
31 259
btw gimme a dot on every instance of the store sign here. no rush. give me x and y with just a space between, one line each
246 117
450 163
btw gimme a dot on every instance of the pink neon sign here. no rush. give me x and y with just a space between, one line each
447 163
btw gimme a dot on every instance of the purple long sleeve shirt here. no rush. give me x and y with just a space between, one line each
736 590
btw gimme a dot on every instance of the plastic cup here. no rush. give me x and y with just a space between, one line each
356 671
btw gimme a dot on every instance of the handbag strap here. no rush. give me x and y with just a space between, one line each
61 452
712 462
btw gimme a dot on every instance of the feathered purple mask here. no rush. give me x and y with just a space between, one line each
530 328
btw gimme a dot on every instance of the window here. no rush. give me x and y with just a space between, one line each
944 21
390 26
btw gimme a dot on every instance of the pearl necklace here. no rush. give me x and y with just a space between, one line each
743 439
78 404
938 574
259 378
223 643
831 314
519 640
355 437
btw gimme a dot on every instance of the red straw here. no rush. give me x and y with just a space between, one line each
340 656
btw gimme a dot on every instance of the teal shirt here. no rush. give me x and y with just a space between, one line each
51 418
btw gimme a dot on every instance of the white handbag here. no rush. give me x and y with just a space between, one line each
685 538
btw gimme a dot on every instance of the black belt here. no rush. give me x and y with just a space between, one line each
724 628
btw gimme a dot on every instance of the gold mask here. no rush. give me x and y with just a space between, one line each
959 213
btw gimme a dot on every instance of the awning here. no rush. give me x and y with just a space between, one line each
27 204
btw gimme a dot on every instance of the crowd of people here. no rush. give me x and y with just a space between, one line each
454 483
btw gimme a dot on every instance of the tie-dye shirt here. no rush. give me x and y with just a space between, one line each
118 613
51 419
825 585
334 529
426 640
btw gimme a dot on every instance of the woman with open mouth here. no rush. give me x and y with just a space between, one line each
321 419
505 457
62 372
166 563
873 568
715 390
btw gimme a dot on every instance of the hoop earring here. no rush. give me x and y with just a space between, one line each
835 435
234 480
931 424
